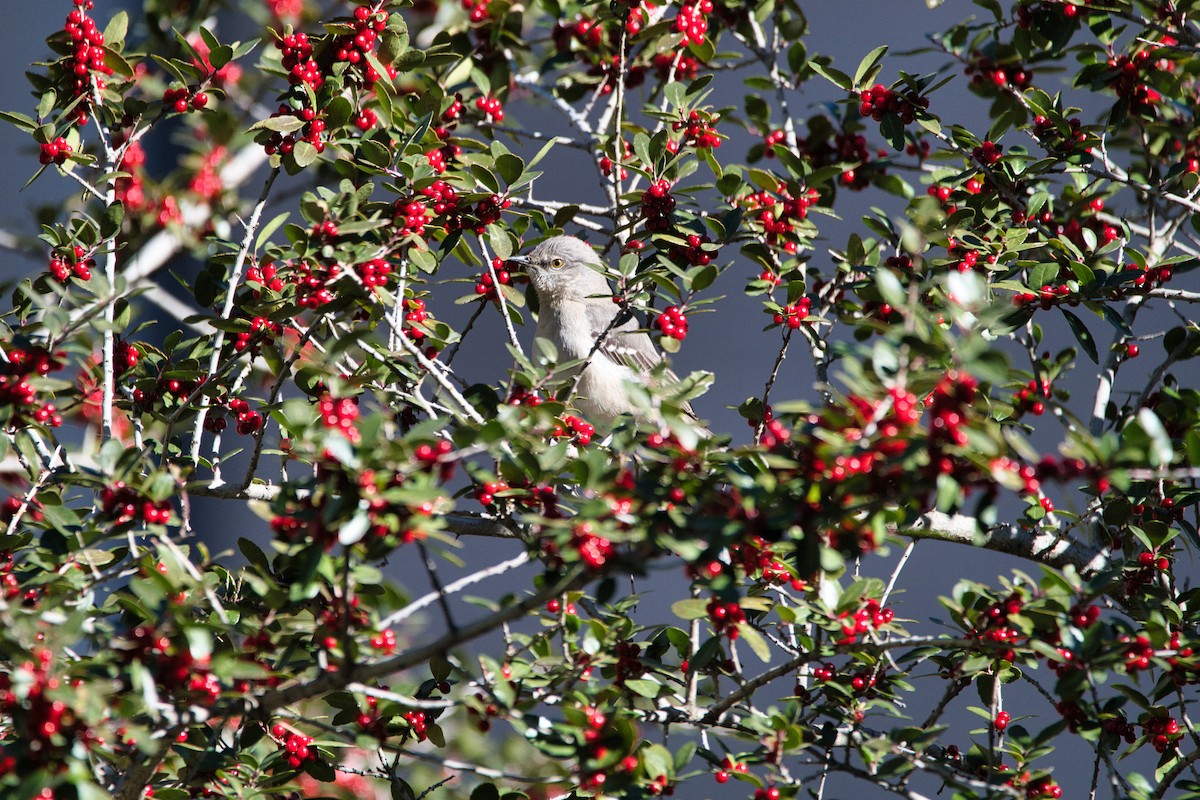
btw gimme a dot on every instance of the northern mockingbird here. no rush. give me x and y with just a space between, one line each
576 310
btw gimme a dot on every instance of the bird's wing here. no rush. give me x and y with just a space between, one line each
625 344
629 346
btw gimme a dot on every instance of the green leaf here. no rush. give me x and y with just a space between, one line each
692 608
755 640
1161 451
645 688
304 154
115 30
280 124
23 122
836 77
868 64
1082 335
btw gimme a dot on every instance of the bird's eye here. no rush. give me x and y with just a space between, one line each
556 263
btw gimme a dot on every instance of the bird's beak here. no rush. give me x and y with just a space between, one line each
521 262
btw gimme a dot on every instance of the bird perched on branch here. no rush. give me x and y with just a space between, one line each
578 316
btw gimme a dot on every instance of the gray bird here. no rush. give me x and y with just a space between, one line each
575 309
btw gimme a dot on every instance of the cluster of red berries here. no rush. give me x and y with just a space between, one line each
758 560
42 726
1043 789
418 724
414 214
778 213
1067 8
312 284
1057 141
697 252
18 366
577 429
296 56
772 140
486 492
1138 651
266 274
1047 297
595 748
262 332
207 181
1148 567
373 273
438 157
986 74
919 148
948 405
871 616
681 65
311 132
610 168
477 10
341 415
181 99
248 420
491 108
672 323
87 59
1000 722
1151 276
879 101
10 584
657 205
444 201
1031 397
611 68
123 504
384 642
1167 510
594 549
296 746
172 663
326 230
131 187
354 47
629 662
774 432
79 264
987 153
54 152
728 765
793 314
1128 82
436 457
725 616
415 316
488 211
698 130
1163 732
366 119
1119 726
692 22
486 285
844 147
994 625
588 33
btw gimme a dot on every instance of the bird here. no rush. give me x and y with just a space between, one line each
575 312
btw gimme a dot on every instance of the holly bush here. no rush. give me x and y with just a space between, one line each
1001 346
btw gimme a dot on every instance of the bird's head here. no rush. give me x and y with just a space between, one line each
563 267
